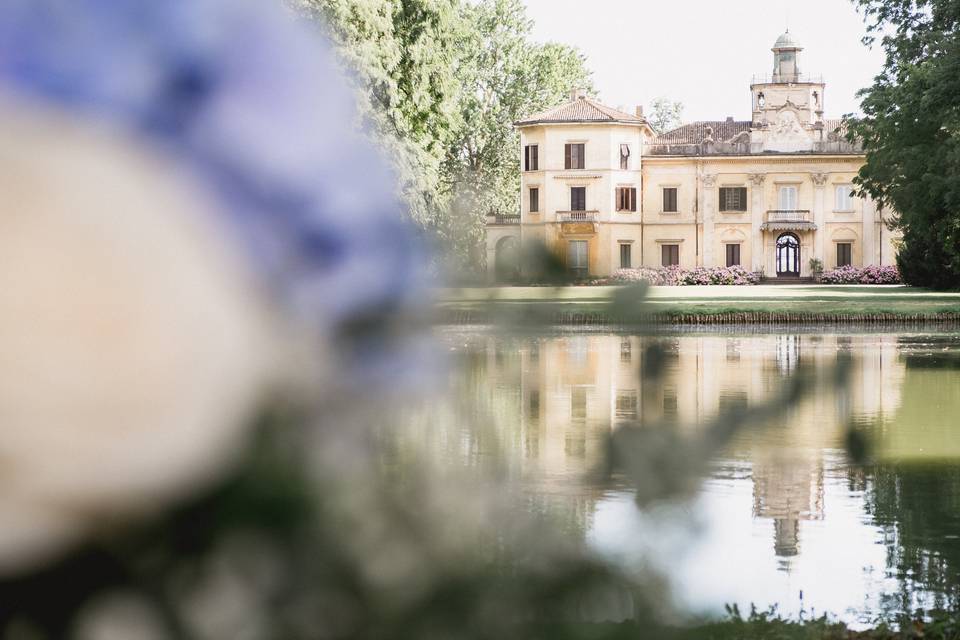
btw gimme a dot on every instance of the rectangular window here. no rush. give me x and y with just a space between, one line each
733 198
577 258
625 261
733 255
788 198
624 157
844 254
670 200
578 198
626 199
534 200
669 255
531 159
573 156
670 403
627 403
844 201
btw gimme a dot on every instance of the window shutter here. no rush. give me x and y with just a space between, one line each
535 158
670 200
526 158
566 156
633 198
625 261
578 198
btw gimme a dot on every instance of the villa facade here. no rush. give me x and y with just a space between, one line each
603 191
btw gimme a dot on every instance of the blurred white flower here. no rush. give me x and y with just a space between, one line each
133 349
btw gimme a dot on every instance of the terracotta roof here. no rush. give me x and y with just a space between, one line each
581 110
696 132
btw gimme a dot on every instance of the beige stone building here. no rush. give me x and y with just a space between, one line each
603 191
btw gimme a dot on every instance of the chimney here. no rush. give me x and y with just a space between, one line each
639 111
729 118
578 93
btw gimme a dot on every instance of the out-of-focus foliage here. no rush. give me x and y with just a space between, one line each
442 82
251 105
665 114
910 130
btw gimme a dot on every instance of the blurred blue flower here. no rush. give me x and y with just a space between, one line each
248 99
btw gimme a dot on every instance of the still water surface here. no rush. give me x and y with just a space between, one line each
785 516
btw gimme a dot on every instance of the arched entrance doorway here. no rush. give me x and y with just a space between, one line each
507 260
788 256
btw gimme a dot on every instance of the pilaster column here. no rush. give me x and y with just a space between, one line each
757 211
709 202
819 215
869 217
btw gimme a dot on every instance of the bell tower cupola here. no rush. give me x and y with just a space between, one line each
787 88
786 59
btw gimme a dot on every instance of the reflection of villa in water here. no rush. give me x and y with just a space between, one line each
573 390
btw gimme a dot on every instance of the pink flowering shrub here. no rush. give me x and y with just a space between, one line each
862 275
675 275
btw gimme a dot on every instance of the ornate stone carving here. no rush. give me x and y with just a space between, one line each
709 180
819 179
756 179
787 134
577 228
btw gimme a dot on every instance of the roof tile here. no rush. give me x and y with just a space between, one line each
696 132
581 110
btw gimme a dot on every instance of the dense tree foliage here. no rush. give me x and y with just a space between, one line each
910 130
441 82
401 56
665 114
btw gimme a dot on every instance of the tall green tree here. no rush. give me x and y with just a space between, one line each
442 82
665 114
402 56
910 130
504 76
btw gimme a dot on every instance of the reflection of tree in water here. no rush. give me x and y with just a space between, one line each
916 498
919 506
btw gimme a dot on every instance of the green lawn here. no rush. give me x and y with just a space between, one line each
797 301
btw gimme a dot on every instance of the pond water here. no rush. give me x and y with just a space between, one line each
784 515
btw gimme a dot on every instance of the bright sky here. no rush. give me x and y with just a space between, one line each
704 52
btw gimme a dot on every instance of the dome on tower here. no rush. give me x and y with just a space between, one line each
786 41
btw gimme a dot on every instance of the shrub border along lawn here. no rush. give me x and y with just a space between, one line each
699 305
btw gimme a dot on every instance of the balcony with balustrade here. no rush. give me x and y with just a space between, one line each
788 220
577 216
503 219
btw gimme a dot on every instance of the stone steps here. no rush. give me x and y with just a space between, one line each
786 280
